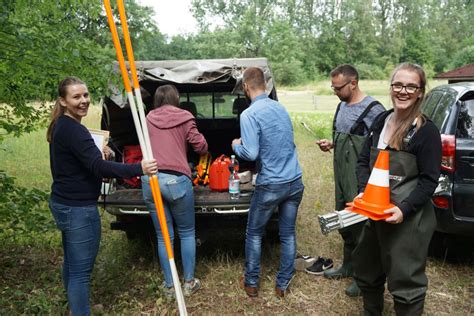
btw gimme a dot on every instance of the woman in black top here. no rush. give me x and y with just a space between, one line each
396 249
77 168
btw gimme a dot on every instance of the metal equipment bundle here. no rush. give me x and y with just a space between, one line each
339 219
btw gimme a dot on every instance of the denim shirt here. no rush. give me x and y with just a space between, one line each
267 138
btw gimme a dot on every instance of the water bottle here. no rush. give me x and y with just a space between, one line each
234 181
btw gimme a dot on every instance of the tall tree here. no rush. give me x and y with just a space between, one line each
39 47
283 48
250 19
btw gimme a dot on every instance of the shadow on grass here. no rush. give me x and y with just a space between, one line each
452 249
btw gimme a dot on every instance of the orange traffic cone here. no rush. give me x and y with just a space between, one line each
376 197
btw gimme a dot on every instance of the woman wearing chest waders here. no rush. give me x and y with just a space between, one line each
395 249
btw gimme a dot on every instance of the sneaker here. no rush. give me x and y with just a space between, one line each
189 288
302 262
167 291
320 265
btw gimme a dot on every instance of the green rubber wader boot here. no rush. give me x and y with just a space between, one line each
373 304
413 309
345 270
353 290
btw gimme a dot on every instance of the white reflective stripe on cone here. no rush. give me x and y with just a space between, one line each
379 177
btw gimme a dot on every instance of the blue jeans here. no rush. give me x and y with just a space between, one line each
178 203
287 198
80 231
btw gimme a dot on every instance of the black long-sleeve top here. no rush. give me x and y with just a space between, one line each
425 145
77 166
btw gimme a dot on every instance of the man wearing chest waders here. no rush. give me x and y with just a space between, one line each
352 120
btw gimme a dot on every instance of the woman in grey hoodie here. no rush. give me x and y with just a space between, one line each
171 130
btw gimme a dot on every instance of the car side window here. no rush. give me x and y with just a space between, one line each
465 128
430 102
441 113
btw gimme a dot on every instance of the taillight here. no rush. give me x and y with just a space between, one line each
441 202
448 143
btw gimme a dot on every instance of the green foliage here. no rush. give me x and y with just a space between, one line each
417 49
370 72
23 211
380 33
463 57
44 42
283 49
42 46
208 44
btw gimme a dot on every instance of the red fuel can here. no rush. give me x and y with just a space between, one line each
219 174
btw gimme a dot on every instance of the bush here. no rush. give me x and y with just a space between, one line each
463 57
288 73
22 211
370 72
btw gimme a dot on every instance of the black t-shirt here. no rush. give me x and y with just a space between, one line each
77 166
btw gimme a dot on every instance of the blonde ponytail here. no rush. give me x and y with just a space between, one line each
56 112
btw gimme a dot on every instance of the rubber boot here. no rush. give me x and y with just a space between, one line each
345 270
413 309
373 304
353 290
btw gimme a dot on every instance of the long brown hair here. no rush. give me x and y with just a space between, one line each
166 94
59 110
414 111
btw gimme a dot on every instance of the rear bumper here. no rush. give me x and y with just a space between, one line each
130 202
132 215
207 209
447 223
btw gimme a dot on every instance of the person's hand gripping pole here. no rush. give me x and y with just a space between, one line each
142 133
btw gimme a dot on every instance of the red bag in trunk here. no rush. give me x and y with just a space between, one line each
219 174
132 154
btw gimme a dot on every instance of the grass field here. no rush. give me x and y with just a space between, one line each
127 277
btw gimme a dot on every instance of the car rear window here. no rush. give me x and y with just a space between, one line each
210 105
465 128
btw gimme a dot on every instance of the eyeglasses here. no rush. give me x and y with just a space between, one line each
398 87
340 87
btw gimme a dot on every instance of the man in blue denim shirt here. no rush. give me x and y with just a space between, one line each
267 138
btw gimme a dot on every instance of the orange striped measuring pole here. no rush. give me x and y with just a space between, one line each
142 132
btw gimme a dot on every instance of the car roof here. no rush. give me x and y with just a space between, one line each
459 87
